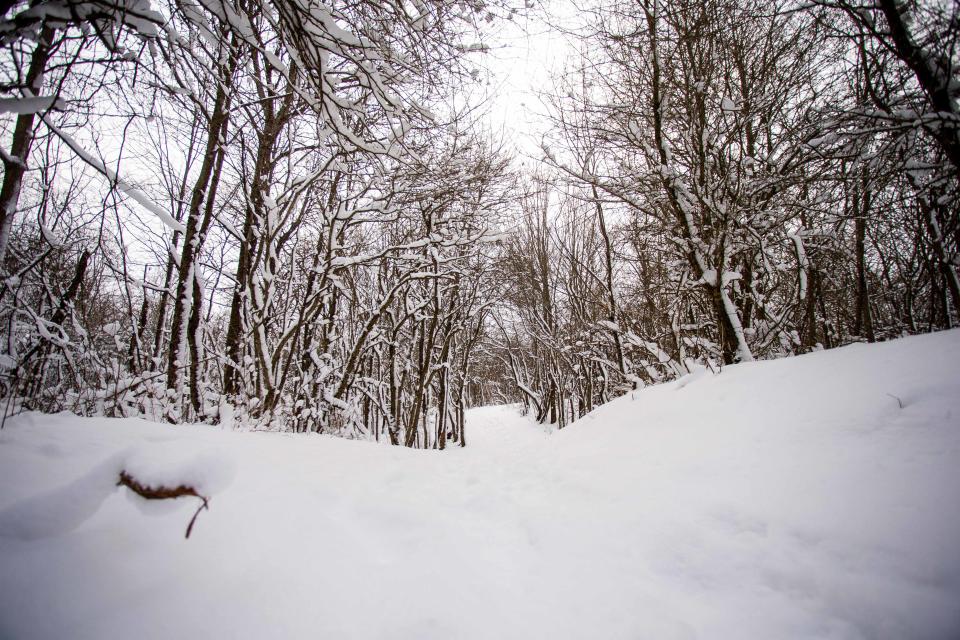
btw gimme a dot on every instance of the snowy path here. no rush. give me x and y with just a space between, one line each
500 430
791 499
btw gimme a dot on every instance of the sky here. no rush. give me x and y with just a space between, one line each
523 54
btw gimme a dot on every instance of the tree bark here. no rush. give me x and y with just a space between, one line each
180 337
15 164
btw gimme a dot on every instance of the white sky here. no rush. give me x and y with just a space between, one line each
523 55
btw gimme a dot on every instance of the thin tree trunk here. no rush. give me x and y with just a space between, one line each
180 341
15 163
611 294
864 322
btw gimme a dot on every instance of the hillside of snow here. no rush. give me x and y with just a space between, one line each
811 497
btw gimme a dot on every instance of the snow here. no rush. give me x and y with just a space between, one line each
27 104
810 497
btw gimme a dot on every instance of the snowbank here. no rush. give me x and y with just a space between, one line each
814 497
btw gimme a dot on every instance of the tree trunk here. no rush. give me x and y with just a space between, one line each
864 322
15 164
180 334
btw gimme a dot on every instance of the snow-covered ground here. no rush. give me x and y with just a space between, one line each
813 497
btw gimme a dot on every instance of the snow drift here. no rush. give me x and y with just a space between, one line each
808 497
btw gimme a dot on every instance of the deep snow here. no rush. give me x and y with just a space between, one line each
811 497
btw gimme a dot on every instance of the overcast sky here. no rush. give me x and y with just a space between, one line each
523 54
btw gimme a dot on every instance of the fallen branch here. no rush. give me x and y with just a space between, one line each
899 401
164 493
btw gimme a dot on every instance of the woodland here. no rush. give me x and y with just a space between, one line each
294 215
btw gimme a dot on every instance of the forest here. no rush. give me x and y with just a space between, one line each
295 215
480 319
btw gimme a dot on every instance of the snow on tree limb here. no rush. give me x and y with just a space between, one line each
115 180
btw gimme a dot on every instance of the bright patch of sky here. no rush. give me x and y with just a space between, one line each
524 53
